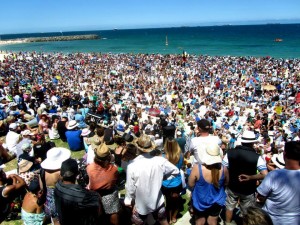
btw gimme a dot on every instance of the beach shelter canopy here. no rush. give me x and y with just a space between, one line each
154 112
269 87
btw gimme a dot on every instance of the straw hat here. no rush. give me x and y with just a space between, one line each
248 137
24 165
144 143
278 160
94 141
72 124
102 151
210 154
55 157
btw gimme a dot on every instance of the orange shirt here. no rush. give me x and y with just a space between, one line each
102 178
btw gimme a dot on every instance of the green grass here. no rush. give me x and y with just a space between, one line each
76 155
13 165
59 143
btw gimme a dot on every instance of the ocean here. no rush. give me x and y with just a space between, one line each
246 40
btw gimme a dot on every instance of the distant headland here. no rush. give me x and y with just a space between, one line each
48 39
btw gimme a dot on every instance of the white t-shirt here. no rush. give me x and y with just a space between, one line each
12 139
197 144
281 187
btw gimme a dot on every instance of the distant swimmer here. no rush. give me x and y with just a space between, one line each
278 40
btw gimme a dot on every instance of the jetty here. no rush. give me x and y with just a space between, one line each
50 39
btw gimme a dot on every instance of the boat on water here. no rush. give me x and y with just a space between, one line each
167 41
278 40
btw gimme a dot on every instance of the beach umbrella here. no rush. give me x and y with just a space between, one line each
269 87
154 112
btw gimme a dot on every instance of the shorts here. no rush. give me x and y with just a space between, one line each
111 203
214 211
245 201
159 214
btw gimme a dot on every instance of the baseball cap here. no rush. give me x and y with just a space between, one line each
203 124
13 126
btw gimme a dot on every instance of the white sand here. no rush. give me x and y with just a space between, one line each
9 42
2 55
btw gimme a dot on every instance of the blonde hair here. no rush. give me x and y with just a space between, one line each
172 151
214 169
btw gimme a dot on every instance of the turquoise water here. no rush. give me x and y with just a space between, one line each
250 40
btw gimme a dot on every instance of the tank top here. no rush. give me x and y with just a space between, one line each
206 194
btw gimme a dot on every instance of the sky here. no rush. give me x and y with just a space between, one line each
19 16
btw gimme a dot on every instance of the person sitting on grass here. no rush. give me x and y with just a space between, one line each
32 211
9 187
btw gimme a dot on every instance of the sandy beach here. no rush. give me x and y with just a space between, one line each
2 55
9 42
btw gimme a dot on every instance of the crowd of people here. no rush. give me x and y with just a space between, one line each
222 130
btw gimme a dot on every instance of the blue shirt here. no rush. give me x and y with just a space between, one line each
206 194
74 140
176 181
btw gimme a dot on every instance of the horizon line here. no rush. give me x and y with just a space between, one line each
216 24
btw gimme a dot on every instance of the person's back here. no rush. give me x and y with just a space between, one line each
242 160
147 172
205 193
280 188
283 203
74 140
76 205
61 128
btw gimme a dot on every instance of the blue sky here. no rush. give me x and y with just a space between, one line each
21 16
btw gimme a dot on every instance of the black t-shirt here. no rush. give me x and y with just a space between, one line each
61 128
40 150
76 205
4 205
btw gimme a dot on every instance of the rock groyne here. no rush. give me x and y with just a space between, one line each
48 39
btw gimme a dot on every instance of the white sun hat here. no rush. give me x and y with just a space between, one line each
248 137
210 154
55 157
72 124
278 160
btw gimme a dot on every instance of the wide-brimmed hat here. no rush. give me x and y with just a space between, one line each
72 124
94 141
55 156
102 151
210 154
85 132
144 143
278 160
24 165
248 137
